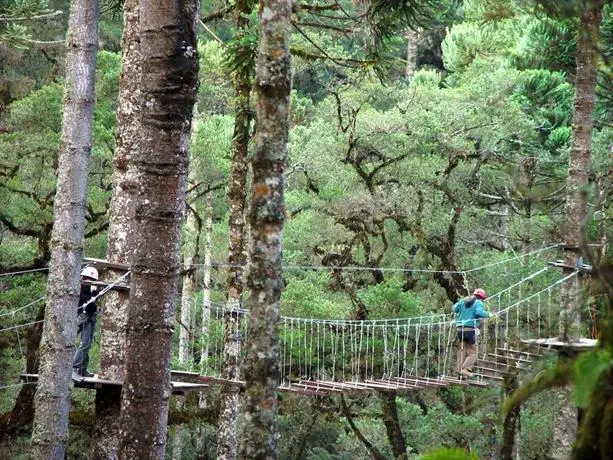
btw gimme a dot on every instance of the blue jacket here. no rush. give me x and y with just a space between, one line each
469 316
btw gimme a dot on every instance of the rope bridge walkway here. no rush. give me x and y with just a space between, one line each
324 356
402 354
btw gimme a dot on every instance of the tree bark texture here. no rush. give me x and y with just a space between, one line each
392 424
52 400
105 439
169 88
206 288
580 155
266 217
227 439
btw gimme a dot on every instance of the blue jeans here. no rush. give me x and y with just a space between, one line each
87 325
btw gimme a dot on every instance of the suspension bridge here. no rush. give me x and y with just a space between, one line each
327 356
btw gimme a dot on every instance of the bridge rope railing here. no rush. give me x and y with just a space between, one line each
393 349
327 350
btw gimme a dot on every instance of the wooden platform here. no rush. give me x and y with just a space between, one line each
585 268
554 342
94 383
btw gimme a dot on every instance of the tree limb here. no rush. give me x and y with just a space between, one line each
376 454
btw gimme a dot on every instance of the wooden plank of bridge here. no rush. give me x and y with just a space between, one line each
465 382
490 370
426 381
311 388
394 385
487 376
320 386
518 352
346 387
510 358
498 363
293 388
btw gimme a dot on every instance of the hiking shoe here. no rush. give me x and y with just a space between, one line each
86 374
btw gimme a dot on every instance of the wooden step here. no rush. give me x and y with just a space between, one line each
518 352
554 342
498 363
510 358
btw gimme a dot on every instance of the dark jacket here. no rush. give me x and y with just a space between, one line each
84 296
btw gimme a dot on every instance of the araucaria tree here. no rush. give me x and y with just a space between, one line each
580 154
52 400
169 87
266 217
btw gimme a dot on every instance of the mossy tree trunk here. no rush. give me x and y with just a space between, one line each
227 438
52 399
105 439
266 217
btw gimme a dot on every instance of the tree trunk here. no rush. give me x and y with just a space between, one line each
206 288
189 286
412 40
169 87
105 439
510 424
565 420
190 256
266 217
52 400
392 424
227 439
580 154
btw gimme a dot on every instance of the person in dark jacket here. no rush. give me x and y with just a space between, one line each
468 313
86 321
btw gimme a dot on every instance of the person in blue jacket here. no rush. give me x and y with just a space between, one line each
468 313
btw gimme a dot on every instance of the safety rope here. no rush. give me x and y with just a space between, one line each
34 302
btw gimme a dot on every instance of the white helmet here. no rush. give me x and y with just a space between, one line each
90 272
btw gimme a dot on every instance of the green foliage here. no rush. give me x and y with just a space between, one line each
548 43
14 20
467 41
588 369
449 453
215 93
426 77
555 376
